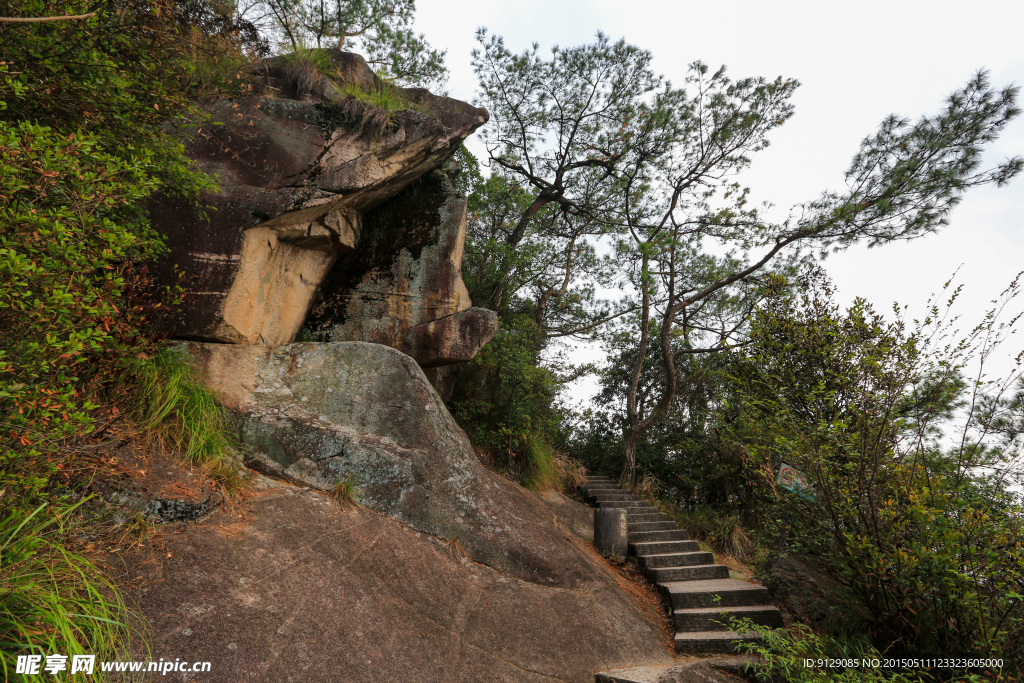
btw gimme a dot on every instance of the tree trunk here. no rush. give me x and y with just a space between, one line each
629 444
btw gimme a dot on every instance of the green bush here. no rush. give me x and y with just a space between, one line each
782 656
505 402
69 220
929 550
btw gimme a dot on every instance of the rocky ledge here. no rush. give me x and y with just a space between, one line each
311 175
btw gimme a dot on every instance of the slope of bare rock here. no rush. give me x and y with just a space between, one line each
324 412
290 587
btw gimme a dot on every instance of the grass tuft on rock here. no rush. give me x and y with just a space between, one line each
345 493
171 407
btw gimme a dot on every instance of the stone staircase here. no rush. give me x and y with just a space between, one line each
699 592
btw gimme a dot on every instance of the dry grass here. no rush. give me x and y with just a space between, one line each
345 493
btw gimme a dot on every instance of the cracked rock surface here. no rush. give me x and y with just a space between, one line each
325 412
294 588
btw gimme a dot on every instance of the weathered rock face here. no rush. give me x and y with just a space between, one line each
296 177
323 412
291 589
403 286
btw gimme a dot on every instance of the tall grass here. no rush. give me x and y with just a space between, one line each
374 110
547 469
307 71
52 600
171 405
723 532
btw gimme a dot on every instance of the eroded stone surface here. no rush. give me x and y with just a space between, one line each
323 412
403 286
301 186
290 588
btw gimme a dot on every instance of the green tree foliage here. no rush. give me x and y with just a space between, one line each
691 452
558 129
594 132
86 108
83 143
379 29
925 538
505 400
506 397
120 75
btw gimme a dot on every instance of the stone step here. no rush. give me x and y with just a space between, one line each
599 478
635 516
698 572
712 593
644 510
650 526
602 488
716 618
677 559
622 504
612 495
662 547
668 535
713 641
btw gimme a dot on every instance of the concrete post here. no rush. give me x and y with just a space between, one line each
611 532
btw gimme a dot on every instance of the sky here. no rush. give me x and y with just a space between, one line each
857 63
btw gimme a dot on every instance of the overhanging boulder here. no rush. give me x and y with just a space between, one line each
296 172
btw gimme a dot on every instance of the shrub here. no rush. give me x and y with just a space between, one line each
781 657
69 219
929 549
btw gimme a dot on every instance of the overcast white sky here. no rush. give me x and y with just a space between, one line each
857 63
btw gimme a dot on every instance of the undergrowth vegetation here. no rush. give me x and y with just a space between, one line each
84 141
55 600
172 407
782 655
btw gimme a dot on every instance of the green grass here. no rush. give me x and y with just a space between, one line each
541 469
345 492
547 469
52 600
172 406
381 96
318 58
373 111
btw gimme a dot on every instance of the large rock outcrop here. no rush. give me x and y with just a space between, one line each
324 412
300 166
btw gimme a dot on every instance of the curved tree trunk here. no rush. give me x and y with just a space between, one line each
629 444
